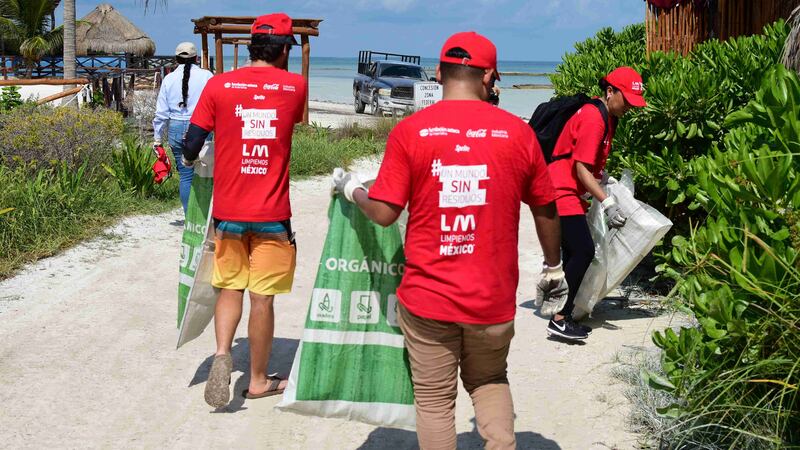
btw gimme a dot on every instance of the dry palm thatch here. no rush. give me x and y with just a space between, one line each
106 31
791 51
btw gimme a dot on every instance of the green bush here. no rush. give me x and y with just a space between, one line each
44 209
43 134
688 100
579 72
737 374
54 189
10 98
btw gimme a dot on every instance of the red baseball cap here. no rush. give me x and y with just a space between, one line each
277 26
630 83
480 50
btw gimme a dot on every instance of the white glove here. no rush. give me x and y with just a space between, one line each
186 162
614 216
551 291
346 183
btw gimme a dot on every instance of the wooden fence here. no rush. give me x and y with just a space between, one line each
687 24
147 71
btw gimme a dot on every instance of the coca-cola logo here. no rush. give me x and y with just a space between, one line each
476 133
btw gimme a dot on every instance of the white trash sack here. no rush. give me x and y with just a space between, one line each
618 251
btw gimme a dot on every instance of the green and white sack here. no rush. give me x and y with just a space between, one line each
352 362
196 296
618 251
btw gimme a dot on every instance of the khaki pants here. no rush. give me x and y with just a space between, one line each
436 350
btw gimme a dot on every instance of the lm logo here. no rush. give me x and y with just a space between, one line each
459 223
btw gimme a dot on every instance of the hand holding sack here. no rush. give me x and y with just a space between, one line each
615 218
346 183
186 162
551 291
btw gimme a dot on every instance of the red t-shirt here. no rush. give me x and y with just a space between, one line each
463 167
582 136
252 112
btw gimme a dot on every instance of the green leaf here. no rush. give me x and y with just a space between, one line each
678 198
673 185
673 411
657 381
781 235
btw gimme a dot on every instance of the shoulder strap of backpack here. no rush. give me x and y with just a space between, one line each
604 113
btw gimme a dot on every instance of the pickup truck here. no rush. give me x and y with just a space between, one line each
386 84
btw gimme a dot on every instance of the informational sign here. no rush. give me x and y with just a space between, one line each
426 93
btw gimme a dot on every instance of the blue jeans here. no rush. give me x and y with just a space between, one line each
177 129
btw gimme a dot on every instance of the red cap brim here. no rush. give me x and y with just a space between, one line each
634 100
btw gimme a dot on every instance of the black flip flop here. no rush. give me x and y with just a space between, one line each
272 389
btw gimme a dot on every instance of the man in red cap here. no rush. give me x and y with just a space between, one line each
579 160
462 166
252 112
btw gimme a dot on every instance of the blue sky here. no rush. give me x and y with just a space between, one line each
541 30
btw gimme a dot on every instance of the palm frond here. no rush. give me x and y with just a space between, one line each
33 49
9 29
154 3
55 39
10 8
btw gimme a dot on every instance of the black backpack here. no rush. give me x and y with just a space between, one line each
549 119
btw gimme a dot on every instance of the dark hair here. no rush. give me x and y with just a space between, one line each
604 85
262 48
459 72
187 70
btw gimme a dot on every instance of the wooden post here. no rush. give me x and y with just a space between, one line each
218 54
306 63
205 51
235 56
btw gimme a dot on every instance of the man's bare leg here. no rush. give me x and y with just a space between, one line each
260 330
227 314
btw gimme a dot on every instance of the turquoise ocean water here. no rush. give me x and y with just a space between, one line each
331 80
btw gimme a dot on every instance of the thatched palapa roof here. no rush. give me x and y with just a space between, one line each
106 31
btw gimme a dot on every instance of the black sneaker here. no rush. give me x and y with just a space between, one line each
585 328
566 329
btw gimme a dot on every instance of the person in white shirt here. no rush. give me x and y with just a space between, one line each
177 98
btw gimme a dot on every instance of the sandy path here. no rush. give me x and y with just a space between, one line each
88 359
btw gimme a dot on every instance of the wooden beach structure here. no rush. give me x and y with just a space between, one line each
235 31
105 31
679 25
